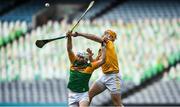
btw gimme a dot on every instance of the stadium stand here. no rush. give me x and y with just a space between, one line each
24 12
36 92
165 91
142 9
30 63
9 31
4 4
97 8
155 55
148 41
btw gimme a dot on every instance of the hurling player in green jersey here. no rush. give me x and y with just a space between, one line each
81 70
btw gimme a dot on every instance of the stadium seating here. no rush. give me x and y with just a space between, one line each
166 91
158 93
5 4
97 8
36 92
157 49
173 74
27 10
11 30
142 9
24 12
147 42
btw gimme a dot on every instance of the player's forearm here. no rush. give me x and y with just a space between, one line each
91 59
91 37
69 43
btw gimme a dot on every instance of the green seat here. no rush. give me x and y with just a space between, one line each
171 60
12 35
127 78
174 57
37 77
143 78
154 70
148 73
19 33
16 77
178 78
177 55
160 67
1 42
6 40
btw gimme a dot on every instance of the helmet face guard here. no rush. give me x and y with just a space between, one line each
78 63
82 64
83 55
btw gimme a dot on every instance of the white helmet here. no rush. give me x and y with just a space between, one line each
83 54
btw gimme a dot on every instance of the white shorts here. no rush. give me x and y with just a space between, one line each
112 82
74 98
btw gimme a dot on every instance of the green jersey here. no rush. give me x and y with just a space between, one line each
78 81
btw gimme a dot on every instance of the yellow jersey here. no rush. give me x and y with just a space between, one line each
111 62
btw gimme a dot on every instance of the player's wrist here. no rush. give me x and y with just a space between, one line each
76 33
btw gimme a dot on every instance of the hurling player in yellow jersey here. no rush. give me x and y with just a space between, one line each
111 77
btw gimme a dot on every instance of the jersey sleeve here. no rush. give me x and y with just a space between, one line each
72 57
94 65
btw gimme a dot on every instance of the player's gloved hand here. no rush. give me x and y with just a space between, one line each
89 51
75 34
69 34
